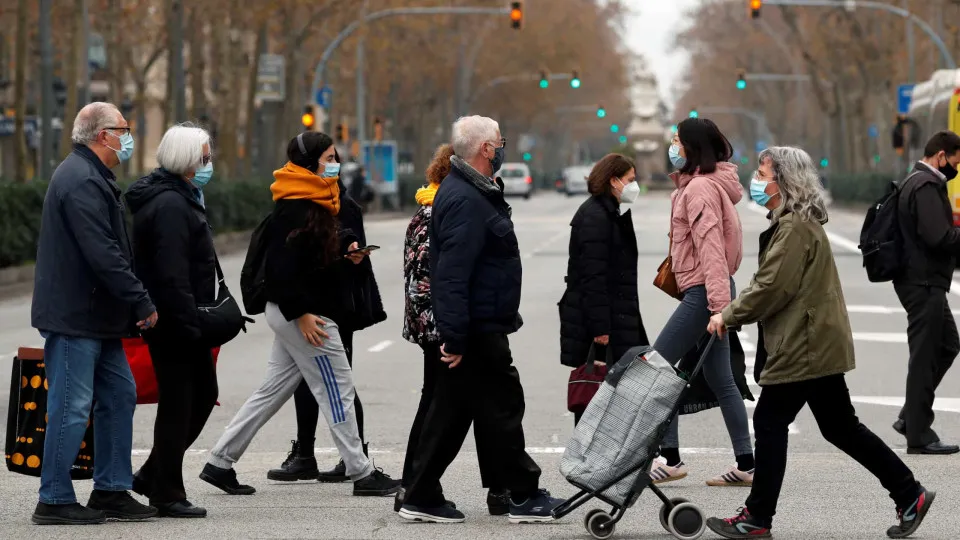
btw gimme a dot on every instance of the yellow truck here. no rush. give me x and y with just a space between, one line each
935 106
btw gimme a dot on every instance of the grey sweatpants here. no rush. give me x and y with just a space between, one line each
327 373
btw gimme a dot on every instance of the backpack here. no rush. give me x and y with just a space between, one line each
253 276
881 242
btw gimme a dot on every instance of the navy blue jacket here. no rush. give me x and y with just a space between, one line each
475 270
84 283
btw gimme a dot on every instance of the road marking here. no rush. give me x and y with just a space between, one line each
883 310
881 337
542 247
942 404
379 347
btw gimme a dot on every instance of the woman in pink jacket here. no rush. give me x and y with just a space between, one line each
706 245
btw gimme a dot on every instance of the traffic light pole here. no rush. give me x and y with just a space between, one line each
850 5
511 78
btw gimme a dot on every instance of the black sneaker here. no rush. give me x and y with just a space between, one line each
402 493
376 484
295 467
120 506
912 517
225 479
181 509
334 475
67 514
536 509
498 502
440 514
140 485
743 525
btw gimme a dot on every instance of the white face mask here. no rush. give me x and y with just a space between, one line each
629 192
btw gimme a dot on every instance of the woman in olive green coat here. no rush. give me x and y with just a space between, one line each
805 348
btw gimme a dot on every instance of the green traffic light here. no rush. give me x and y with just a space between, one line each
876 158
575 83
741 84
614 128
623 139
744 160
694 114
527 156
601 113
673 128
544 83
824 162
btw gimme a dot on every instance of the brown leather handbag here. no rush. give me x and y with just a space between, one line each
666 280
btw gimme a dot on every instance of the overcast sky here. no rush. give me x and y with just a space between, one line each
649 32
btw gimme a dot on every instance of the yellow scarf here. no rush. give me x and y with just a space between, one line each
295 182
426 194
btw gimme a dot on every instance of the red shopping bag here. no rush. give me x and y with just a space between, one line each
138 354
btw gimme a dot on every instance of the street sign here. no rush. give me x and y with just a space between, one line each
322 97
526 142
904 97
874 132
380 161
270 78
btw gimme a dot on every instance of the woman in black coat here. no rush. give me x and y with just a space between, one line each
601 304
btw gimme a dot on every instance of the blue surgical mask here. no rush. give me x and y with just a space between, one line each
203 175
758 191
675 157
330 170
125 151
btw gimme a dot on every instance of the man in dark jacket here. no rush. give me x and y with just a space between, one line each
931 244
86 298
475 283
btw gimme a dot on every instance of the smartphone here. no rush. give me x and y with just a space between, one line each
364 249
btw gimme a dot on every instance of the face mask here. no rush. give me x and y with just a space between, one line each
331 170
948 170
758 191
629 192
126 146
203 175
675 157
497 160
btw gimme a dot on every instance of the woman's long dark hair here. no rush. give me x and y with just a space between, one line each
704 145
322 227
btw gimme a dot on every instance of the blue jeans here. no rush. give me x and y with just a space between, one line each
83 371
682 332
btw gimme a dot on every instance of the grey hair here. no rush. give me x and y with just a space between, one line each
469 134
181 148
92 119
801 191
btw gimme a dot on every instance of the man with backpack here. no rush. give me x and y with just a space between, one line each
929 247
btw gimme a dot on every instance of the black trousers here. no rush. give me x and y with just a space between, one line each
308 412
187 384
829 401
484 390
431 371
934 344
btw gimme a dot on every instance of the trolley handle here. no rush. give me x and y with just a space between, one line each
703 356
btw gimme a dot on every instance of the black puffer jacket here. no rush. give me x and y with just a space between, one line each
601 296
173 251
367 303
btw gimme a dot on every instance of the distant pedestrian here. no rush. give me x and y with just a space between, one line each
175 258
931 244
307 295
805 348
475 277
601 304
706 246
420 327
85 299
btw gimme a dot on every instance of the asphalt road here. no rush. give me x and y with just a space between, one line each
826 496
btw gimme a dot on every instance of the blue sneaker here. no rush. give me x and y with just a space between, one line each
536 509
441 514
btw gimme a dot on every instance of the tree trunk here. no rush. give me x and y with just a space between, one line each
114 57
70 79
198 67
139 102
259 48
20 91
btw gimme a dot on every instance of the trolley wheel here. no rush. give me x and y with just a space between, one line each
599 524
590 514
686 521
665 511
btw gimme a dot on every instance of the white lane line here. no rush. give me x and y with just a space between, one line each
939 404
379 347
881 337
883 310
545 245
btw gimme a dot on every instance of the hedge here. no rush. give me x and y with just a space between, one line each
231 206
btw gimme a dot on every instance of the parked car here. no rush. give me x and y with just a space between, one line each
575 179
517 179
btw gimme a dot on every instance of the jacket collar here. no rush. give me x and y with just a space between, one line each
484 185
193 195
86 153
930 169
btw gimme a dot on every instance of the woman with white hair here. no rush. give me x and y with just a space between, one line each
175 260
805 348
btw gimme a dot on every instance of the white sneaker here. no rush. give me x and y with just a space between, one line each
660 472
734 477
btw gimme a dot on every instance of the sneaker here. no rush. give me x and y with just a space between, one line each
334 475
225 479
743 525
536 509
140 485
181 509
660 472
402 493
295 467
67 514
734 477
120 506
376 484
441 514
912 517
498 502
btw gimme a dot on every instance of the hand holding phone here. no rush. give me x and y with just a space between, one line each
365 250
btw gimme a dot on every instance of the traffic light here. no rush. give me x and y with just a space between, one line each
694 113
741 80
755 6
527 156
673 128
309 118
377 129
544 81
614 128
516 15
601 112
623 139
824 162
343 133
575 81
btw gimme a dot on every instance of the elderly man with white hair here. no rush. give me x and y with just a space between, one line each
85 299
175 259
475 277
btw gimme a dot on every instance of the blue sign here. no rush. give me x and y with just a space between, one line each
760 146
380 161
873 132
904 97
323 97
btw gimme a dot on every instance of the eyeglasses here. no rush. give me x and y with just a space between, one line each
123 129
503 142
206 159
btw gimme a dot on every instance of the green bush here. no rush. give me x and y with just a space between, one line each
231 206
858 187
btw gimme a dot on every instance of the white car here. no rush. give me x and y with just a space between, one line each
575 179
516 179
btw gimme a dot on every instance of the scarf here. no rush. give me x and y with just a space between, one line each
426 194
295 182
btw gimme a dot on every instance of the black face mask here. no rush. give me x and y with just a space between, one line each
948 170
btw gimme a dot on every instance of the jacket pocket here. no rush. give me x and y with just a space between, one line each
681 249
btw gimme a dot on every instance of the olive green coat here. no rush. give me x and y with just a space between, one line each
797 300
